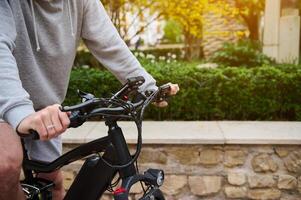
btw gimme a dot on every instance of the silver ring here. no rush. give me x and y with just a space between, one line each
50 126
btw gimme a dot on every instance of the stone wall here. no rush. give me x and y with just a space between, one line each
220 171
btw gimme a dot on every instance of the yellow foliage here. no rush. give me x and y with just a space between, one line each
188 13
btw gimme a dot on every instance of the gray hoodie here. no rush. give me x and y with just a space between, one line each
38 42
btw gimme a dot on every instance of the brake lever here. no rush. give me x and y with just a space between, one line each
85 96
131 85
135 82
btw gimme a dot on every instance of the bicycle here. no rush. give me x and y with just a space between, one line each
104 157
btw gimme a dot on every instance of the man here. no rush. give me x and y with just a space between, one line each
38 41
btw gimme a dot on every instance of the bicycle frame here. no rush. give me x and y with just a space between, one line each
95 176
98 171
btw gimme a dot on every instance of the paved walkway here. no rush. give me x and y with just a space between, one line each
199 132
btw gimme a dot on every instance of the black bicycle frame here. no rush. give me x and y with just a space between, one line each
95 175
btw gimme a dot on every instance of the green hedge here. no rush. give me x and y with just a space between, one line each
227 93
245 52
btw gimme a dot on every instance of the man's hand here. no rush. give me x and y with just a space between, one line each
49 122
174 89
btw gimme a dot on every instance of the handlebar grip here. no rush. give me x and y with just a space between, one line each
75 121
34 135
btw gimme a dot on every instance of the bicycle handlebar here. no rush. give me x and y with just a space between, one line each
103 107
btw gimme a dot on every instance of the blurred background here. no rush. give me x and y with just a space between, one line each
233 59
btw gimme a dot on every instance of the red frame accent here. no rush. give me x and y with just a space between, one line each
119 191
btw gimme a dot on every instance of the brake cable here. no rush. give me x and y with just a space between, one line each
138 122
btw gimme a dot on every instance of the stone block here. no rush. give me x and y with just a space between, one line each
299 184
234 158
173 184
261 181
211 157
187 156
266 194
136 189
235 192
281 151
205 185
264 163
152 156
236 178
293 162
287 182
68 177
74 166
188 197
22 177
290 197
106 197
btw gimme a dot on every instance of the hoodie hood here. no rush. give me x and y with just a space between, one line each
51 7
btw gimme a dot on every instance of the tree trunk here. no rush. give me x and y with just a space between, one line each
252 22
192 47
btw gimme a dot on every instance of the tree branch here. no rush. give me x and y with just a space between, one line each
143 28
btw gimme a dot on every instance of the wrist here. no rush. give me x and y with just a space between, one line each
17 114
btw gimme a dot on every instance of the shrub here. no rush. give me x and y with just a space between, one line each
226 93
243 53
85 58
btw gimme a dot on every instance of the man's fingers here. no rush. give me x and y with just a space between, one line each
174 88
161 104
64 119
57 122
40 128
50 126
59 119
49 122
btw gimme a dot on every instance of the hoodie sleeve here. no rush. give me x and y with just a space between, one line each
15 104
105 43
